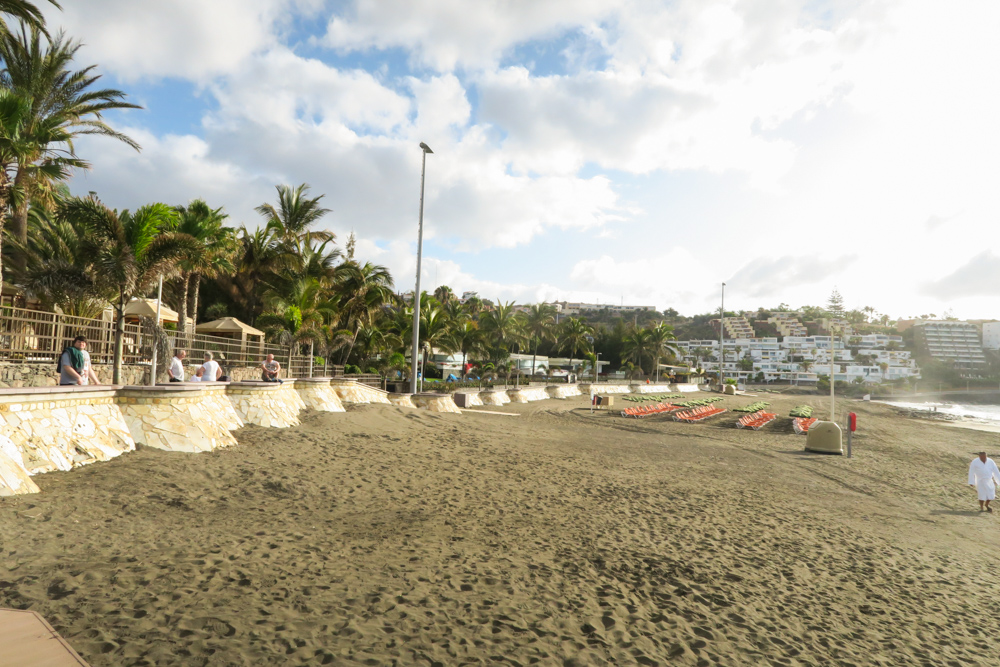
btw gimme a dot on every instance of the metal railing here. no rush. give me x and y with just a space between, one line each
35 336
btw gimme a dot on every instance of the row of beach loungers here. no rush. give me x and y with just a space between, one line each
646 410
755 421
802 424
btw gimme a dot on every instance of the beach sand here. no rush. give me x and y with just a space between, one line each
391 536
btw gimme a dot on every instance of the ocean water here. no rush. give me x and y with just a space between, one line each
983 413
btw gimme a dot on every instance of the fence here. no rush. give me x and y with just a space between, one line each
35 336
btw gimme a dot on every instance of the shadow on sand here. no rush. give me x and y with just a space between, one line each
957 513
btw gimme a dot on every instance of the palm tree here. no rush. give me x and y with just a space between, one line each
294 215
365 291
24 11
257 261
56 267
465 337
661 339
538 324
216 246
130 251
434 330
805 365
40 70
20 142
500 326
883 366
444 295
297 313
574 336
637 346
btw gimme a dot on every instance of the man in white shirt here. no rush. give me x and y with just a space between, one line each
984 476
210 371
176 370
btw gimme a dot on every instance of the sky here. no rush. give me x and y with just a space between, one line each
631 151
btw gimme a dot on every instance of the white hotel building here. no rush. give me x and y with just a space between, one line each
782 360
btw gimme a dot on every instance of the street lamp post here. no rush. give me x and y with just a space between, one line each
159 300
416 292
722 329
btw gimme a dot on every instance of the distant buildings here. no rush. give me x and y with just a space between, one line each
575 308
953 342
734 327
991 335
801 359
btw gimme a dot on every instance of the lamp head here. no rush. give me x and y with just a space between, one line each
427 149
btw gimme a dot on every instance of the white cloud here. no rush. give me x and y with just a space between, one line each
192 39
445 34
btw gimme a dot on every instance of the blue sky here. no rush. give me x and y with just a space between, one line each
634 150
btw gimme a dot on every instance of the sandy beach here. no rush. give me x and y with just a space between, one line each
391 536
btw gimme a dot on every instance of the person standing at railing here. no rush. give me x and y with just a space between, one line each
74 364
176 370
270 369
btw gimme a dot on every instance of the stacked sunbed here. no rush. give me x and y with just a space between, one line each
756 420
802 424
646 410
698 414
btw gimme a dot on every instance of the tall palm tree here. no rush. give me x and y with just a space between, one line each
661 339
216 247
258 261
130 250
24 11
539 321
20 139
365 291
638 346
41 70
574 336
501 327
434 329
444 295
294 215
297 313
465 337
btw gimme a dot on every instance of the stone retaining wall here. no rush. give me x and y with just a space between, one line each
181 417
352 391
14 477
266 403
527 394
402 400
588 388
650 388
494 397
58 429
562 390
436 402
317 394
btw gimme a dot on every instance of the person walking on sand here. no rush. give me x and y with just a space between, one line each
74 364
984 476
176 369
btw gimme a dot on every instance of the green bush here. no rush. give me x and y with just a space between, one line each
351 369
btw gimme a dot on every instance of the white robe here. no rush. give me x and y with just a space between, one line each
985 477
